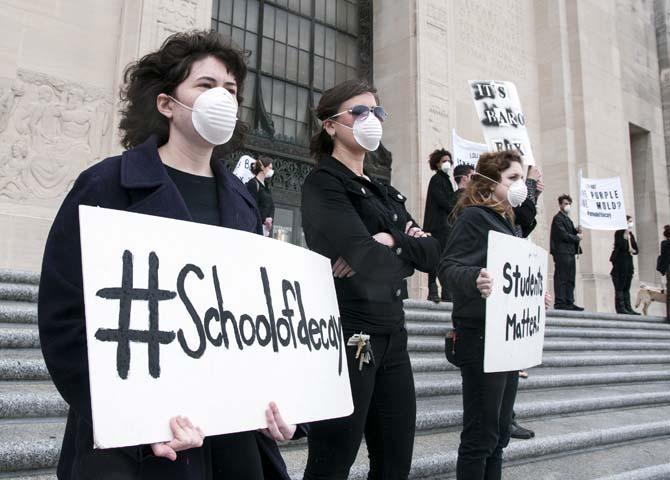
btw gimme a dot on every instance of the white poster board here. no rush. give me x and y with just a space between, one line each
243 168
515 312
466 152
601 205
226 330
503 122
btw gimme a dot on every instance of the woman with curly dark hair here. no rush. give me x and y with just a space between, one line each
178 103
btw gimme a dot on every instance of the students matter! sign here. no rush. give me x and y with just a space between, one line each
207 322
465 151
601 205
502 119
515 312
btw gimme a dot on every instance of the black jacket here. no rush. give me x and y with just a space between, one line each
440 201
621 258
564 239
263 197
340 213
138 182
664 260
463 259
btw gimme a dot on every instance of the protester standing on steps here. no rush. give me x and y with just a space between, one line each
178 103
496 188
663 267
373 243
263 171
564 246
440 200
625 246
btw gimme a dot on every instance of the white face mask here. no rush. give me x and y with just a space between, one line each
367 132
269 174
446 167
631 224
214 115
566 209
516 192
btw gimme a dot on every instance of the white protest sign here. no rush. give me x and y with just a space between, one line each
499 110
243 168
466 152
601 205
187 319
515 312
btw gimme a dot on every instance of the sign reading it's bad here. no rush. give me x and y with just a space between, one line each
515 311
207 322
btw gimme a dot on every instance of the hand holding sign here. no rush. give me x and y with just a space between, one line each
278 429
186 436
484 283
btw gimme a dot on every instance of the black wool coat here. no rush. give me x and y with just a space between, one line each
136 181
621 258
563 239
440 201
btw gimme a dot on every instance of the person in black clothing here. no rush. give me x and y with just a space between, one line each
625 246
462 174
663 267
440 200
564 245
263 170
178 103
362 225
487 204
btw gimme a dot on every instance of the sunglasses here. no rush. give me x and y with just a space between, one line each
363 111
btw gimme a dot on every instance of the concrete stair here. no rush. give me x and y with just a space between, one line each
599 404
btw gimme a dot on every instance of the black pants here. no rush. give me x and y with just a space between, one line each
488 403
622 278
564 279
384 410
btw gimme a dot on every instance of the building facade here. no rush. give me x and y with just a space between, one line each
593 76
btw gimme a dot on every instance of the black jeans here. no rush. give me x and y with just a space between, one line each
433 276
384 410
488 403
622 278
564 279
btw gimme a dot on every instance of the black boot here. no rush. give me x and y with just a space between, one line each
627 305
618 302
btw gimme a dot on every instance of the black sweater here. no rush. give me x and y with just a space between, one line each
464 257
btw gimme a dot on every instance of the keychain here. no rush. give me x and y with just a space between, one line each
363 349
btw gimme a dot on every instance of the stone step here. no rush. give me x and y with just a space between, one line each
30 399
41 474
656 472
436 344
436 361
425 306
614 463
435 452
19 276
18 312
446 411
23 364
30 445
431 328
431 384
18 292
18 336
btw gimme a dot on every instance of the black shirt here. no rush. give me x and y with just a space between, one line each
341 212
263 197
199 194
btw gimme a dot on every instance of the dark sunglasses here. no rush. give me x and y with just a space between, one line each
363 111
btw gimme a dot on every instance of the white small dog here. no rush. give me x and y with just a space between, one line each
646 295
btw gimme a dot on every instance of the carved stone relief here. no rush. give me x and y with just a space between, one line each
50 130
176 16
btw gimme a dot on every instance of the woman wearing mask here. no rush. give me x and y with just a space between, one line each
374 244
178 103
262 170
440 201
495 189
625 246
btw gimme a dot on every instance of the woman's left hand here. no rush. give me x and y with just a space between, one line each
415 232
548 300
278 430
